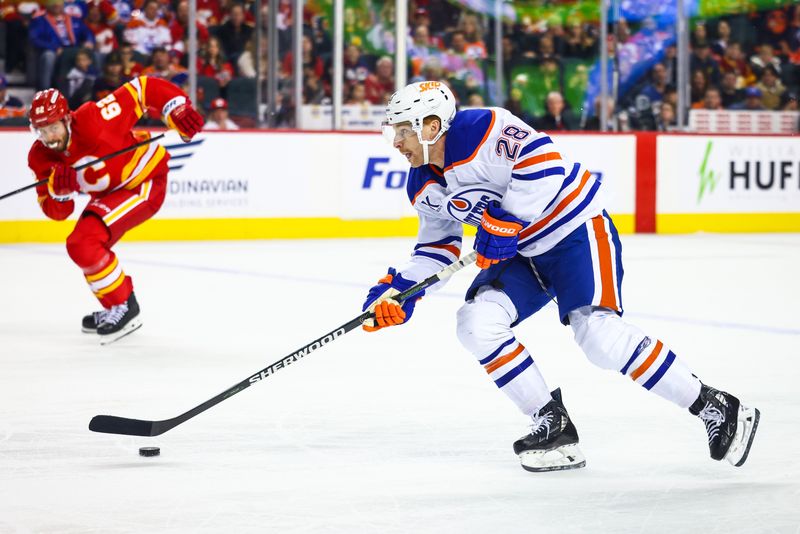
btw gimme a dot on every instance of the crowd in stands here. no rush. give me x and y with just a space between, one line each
89 48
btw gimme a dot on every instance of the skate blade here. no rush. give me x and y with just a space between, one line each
131 327
560 459
89 330
745 433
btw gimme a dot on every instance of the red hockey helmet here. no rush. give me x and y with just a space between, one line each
48 106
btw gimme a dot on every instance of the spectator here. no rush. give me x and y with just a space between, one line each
788 101
579 43
355 66
791 45
16 32
130 67
719 46
699 34
211 62
557 117
733 61
10 106
310 59
209 12
376 85
179 25
80 79
235 33
698 85
246 65
670 62
218 116
752 100
112 77
163 67
52 31
547 48
654 90
421 49
514 105
475 100
711 101
666 120
147 31
593 122
729 92
471 29
104 38
313 89
774 27
771 88
701 60
765 56
357 95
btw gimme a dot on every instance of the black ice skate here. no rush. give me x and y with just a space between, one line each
552 444
730 426
91 321
120 321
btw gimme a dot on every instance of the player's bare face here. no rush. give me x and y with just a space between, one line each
54 135
406 141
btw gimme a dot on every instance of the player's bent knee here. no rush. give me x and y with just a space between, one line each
604 337
485 321
86 245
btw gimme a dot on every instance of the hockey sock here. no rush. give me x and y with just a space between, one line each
611 343
87 245
484 328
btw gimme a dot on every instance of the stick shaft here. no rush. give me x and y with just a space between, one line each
89 164
111 424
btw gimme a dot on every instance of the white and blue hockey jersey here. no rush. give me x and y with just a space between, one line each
492 155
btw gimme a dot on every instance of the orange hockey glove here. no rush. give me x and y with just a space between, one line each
388 312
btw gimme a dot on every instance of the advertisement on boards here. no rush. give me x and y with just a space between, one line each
728 174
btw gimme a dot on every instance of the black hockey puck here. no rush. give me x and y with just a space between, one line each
149 451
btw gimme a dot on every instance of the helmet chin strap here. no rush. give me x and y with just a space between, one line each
426 144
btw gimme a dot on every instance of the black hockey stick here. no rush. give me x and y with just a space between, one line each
89 164
112 424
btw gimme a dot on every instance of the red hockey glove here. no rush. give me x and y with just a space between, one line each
63 182
186 120
497 235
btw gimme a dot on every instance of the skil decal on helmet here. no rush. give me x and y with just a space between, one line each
467 205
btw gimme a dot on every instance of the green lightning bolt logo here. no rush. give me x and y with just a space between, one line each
708 178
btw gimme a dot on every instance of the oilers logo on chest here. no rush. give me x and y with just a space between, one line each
467 204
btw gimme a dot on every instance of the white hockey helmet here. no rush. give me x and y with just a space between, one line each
414 103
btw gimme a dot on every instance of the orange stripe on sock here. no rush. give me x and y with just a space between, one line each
499 362
607 298
648 362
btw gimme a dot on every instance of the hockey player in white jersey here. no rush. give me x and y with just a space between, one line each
542 234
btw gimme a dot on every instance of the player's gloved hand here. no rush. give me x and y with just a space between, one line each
388 312
186 120
62 183
497 235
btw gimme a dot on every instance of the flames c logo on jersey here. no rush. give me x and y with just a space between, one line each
467 204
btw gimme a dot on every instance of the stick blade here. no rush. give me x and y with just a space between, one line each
111 424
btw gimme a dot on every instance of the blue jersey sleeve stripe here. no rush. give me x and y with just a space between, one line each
497 351
552 171
567 182
539 143
512 374
661 370
438 257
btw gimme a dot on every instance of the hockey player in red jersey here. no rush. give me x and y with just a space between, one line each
125 190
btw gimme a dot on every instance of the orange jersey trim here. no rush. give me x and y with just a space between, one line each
541 158
648 362
499 362
561 205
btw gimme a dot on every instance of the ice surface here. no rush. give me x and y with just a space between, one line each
395 432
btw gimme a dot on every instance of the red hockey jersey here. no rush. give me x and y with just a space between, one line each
100 128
